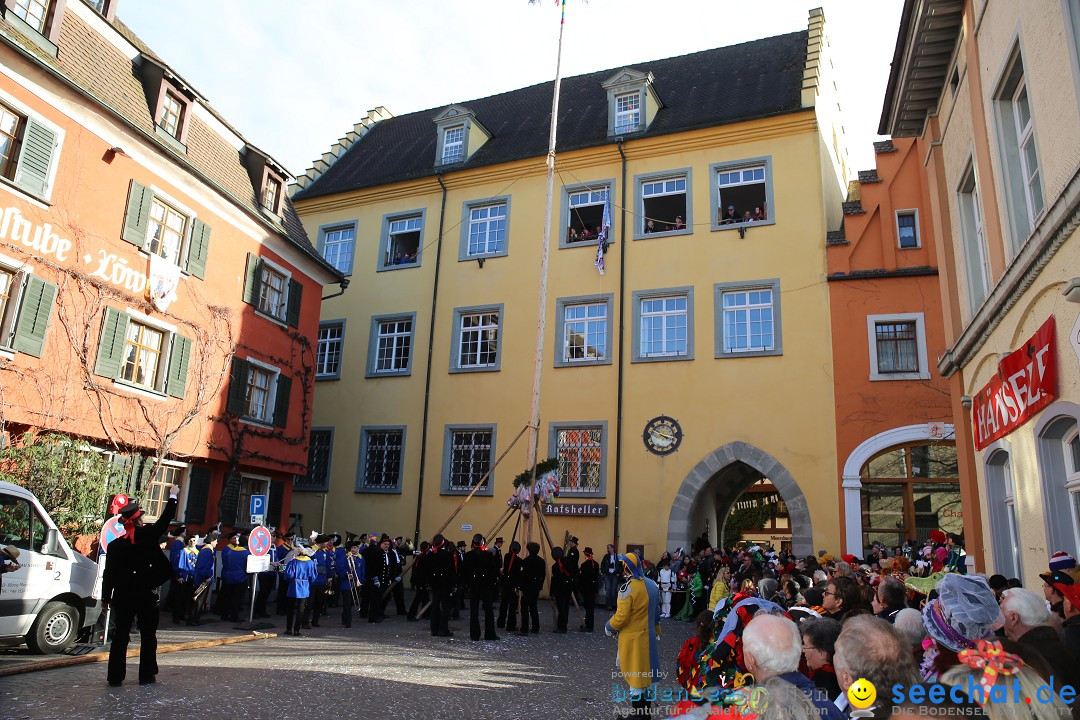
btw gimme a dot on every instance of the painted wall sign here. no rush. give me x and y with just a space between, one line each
588 509
1025 383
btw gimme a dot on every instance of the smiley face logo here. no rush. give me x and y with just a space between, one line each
862 694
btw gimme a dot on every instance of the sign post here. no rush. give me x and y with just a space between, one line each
258 509
258 544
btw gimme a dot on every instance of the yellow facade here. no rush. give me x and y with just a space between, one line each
742 418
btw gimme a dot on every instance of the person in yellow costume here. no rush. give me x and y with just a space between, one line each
636 625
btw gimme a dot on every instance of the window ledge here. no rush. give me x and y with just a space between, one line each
659 234
876 377
396 373
18 192
590 243
577 495
747 225
403 266
489 492
7 353
561 363
256 422
396 490
661 358
483 256
139 390
170 141
479 369
271 318
726 355
325 378
30 33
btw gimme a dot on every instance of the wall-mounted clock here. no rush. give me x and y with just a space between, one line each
662 435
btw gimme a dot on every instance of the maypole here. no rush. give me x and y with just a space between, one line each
541 313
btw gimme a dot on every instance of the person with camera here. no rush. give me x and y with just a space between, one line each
135 567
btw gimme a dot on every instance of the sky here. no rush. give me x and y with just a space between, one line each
293 77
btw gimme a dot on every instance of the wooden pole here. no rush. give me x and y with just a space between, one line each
541 311
503 519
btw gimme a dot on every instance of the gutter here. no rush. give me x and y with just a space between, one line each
427 373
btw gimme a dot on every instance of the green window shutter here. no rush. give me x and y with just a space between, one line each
237 401
37 303
273 504
35 158
198 492
179 359
137 217
111 344
198 249
121 472
251 279
296 294
230 501
140 474
281 401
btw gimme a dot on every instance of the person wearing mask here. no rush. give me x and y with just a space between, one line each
638 631
134 570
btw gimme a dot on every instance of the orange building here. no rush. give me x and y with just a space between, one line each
157 292
896 453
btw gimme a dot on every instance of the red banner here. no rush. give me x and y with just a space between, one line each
1025 383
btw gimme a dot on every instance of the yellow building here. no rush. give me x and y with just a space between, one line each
712 334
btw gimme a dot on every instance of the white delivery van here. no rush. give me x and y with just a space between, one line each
53 596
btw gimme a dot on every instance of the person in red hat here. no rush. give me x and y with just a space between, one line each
1071 626
135 568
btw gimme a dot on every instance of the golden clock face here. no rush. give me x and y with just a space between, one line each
662 435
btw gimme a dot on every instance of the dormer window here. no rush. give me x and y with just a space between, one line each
459 135
271 194
632 102
627 113
453 144
34 12
172 114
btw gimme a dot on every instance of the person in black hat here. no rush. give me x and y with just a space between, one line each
562 583
511 588
323 560
458 598
134 569
380 573
588 578
440 568
1051 593
533 571
350 569
481 573
572 560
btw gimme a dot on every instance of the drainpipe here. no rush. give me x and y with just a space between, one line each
622 347
427 374
344 284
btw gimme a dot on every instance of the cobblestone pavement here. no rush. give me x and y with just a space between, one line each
393 669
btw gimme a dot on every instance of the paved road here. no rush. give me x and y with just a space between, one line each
394 669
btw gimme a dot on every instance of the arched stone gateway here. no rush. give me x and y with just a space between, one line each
720 478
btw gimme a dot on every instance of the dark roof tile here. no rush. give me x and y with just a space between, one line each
714 87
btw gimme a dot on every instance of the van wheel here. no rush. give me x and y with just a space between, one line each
54 630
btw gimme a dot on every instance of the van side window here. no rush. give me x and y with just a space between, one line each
15 519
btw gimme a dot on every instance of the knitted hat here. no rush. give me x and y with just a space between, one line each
965 611
1062 561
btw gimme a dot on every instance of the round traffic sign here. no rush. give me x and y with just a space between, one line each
111 530
118 502
259 541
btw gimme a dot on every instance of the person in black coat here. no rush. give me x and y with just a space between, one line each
588 578
562 584
511 587
533 571
480 571
135 567
381 569
440 565
422 597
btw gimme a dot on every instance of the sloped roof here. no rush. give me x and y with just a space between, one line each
714 87
99 69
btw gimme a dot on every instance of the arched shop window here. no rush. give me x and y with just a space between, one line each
1059 467
908 491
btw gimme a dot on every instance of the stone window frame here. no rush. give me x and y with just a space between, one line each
466 224
553 448
636 297
560 328
373 345
448 431
719 289
714 191
361 468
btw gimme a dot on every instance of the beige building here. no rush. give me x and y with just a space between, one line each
696 365
992 91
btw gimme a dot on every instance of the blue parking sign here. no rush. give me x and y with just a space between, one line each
258 505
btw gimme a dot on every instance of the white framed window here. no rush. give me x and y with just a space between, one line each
475 343
748 320
907 229
976 260
1070 446
34 12
258 396
584 330
393 345
583 213
166 230
627 112
172 114
156 492
478 340
143 353
580 451
1021 174
29 147
468 455
401 245
484 228
271 193
663 204
337 243
259 392
143 346
273 291
329 350
664 325
1001 509
897 347
453 144
382 456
